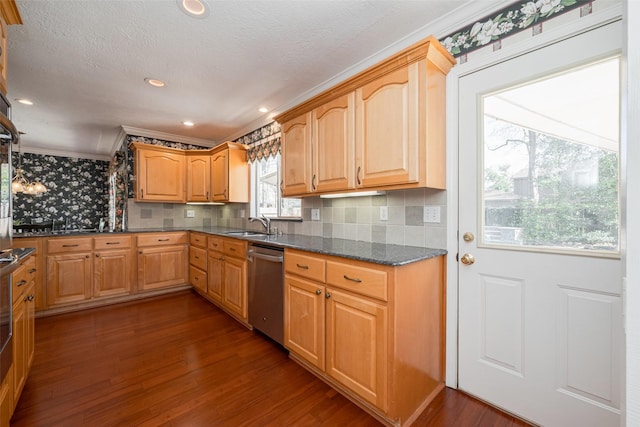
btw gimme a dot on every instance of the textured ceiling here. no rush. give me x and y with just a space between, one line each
83 63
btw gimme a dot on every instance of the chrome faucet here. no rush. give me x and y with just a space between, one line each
266 222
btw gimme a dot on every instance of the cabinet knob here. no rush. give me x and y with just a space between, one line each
140 252
97 255
86 256
33 270
22 283
318 291
327 295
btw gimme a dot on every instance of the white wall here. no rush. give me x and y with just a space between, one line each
632 255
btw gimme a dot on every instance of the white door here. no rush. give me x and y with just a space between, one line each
540 330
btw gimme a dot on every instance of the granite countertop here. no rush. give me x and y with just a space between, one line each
378 253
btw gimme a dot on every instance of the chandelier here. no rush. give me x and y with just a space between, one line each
20 184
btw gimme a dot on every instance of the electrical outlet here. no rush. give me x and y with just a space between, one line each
190 213
384 213
432 214
315 214
241 213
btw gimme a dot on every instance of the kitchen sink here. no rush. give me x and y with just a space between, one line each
245 233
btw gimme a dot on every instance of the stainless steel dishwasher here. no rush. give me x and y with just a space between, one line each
266 290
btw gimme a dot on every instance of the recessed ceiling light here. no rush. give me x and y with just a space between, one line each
187 123
24 101
263 110
194 8
155 82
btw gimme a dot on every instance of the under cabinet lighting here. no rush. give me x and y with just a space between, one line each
354 194
206 203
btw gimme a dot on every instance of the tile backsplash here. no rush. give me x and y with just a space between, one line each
355 218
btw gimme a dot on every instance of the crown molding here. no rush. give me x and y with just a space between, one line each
256 124
130 130
117 142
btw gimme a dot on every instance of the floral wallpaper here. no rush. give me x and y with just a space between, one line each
77 191
117 176
510 20
263 142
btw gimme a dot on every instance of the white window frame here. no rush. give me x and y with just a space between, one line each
253 204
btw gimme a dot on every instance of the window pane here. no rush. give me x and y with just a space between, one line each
551 162
268 199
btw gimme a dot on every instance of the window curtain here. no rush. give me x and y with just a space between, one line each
262 143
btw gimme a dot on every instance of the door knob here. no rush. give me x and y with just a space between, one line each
467 259
468 237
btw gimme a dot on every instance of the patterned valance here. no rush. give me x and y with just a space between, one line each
263 142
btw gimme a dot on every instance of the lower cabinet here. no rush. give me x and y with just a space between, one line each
69 278
162 260
6 399
198 262
227 275
112 266
375 332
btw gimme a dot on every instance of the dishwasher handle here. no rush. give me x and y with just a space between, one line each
265 257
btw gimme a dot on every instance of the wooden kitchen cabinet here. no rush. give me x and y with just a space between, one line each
198 262
296 156
23 324
159 173
229 173
6 399
375 332
9 14
162 260
198 176
386 124
69 270
38 267
227 275
113 266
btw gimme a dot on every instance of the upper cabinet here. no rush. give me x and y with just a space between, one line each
198 176
382 129
9 15
229 173
159 173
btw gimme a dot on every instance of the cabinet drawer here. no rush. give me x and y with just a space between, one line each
235 248
62 245
215 243
20 280
363 280
310 266
198 278
199 240
198 257
112 242
158 239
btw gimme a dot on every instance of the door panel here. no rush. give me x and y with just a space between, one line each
540 321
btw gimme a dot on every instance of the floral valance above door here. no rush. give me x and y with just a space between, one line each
263 142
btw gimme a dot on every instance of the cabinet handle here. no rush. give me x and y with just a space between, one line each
163 240
113 243
358 176
221 259
327 295
196 257
26 298
69 246
232 249
33 270
86 256
207 195
140 252
313 182
97 255
142 193
31 297
22 283
318 291
304 267
225 193
281 186
353 279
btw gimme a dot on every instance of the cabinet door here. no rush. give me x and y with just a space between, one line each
387 130
304 319
30 327
220 176
6 399
112 273
296 156
234 293
215 273
198 279
20 324
162 267
160 176
334 145
357 345
68 278
198 178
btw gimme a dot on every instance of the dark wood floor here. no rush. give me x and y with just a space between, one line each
179 361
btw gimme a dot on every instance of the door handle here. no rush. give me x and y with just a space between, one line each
467 259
